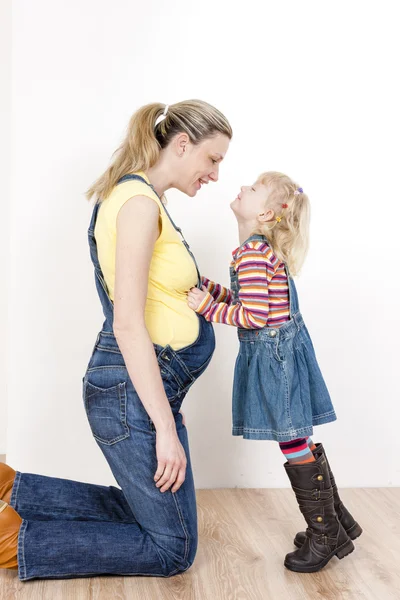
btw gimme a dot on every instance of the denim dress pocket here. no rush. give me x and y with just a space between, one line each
106 412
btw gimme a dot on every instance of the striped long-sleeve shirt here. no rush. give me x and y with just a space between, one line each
263 291
217 291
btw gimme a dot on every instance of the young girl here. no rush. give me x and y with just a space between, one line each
279 392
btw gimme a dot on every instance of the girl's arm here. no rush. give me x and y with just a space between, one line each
217 291
255 268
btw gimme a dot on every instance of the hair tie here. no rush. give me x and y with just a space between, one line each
163 116
279 219
298 191
285 205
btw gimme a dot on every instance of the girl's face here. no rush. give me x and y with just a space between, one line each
251 202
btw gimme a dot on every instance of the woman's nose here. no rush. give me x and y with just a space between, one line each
215 174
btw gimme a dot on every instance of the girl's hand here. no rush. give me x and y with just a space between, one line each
171 459
196 297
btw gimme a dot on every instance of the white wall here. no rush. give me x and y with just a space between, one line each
5 156
311 91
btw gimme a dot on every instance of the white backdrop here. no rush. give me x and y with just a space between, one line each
310 90
5 156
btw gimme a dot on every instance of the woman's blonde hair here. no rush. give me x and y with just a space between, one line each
288 234
144 140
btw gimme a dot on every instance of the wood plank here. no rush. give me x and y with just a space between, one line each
244 536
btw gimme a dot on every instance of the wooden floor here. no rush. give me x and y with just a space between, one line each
244 536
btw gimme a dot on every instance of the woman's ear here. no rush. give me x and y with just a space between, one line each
180 143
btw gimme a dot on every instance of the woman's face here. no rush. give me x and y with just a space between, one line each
199 164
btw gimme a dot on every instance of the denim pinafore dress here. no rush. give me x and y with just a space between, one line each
279 392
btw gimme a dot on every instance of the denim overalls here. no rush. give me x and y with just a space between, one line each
73 529
278 392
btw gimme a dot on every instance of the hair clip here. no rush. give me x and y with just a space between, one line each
298 191
162 117
279 219
285 205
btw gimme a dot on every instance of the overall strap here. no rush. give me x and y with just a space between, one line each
293 297
101 286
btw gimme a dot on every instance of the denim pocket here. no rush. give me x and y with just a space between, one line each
279 352
175 374
171 387
106 412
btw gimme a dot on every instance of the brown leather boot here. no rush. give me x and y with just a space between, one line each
352 528
325 536
7 476
10 522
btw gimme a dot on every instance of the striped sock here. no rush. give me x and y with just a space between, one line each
311 444
298 451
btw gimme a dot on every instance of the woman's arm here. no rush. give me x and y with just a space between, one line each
137 232
217 291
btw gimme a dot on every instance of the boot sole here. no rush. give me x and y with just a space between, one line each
354 532
343 550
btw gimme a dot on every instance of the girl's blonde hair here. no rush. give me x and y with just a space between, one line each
288 234
144 141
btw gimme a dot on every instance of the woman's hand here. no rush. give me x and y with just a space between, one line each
171 457
196 297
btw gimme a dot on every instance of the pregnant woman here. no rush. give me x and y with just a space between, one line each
151 349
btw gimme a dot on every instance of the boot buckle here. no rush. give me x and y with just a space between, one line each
322 539
316 494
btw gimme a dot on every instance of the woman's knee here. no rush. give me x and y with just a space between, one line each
178 557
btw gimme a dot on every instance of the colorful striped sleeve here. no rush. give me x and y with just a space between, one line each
217 291
255 265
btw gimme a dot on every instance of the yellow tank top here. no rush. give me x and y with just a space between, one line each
172 273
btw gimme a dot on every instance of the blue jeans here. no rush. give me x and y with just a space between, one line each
73 529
